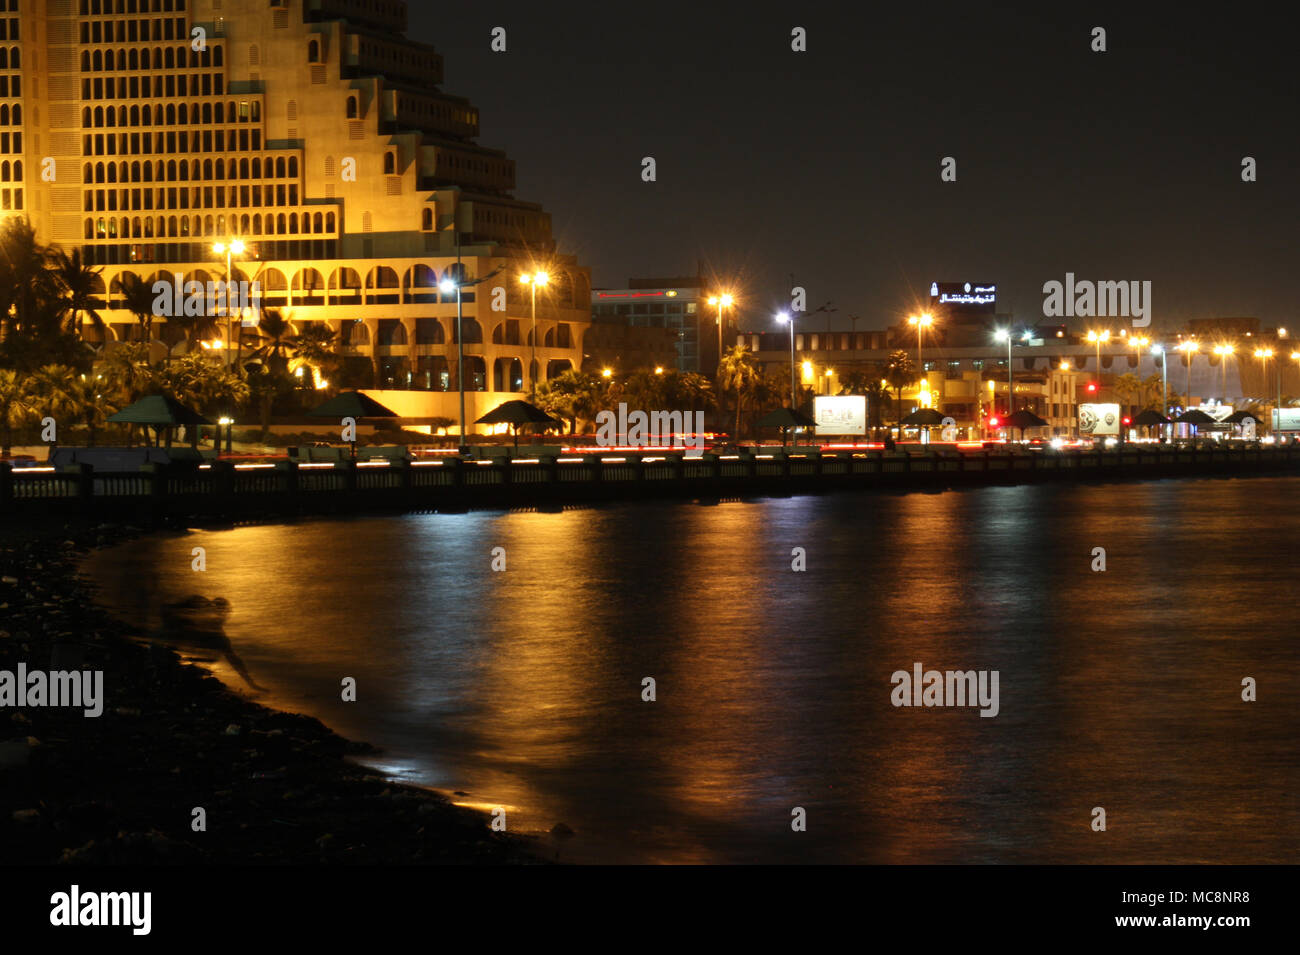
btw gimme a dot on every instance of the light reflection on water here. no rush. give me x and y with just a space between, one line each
523 688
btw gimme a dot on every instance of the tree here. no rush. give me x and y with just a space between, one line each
128 373
317 346
1127 388
137 299
899 372
877 392
275 335
91 405
15 406
698 391
738 373
52 393
574 395
80 285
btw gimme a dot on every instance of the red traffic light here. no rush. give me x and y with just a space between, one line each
1092 386
993 422
1128 420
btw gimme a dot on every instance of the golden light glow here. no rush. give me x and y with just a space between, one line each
1101 336
1188 346
1263 353
606 372
659 369
924 320
1065 366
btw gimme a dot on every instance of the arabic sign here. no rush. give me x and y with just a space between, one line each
980 295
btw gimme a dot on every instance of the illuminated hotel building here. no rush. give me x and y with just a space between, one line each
146 131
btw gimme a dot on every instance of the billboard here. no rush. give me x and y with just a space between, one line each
1099 420
976 296
840 414
1290 419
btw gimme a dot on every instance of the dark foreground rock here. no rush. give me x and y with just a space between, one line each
122 788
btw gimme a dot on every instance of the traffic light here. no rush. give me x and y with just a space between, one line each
1127 420
993 422
1092 387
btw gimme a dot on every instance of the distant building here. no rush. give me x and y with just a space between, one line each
680 304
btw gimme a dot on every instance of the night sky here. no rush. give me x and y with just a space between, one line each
1123 165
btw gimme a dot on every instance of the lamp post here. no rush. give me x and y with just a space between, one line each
446 285
1264 354
789 320
230 249
921 322
1098 337
1159 349
722 301
532 281
1223 351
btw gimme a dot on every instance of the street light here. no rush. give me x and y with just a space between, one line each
1264 354
921 322
722 301
1158 349
1223 351
786 317
229 249
1098 337
532 281
459 284
1004 335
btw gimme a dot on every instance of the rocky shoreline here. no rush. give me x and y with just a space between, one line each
122 788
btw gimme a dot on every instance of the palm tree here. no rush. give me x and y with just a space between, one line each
91 406
1127 387
574 395
277 338
698 391
877 392
51 392
128 371
138 299
80 284
738 373
899 372
317 346
15 406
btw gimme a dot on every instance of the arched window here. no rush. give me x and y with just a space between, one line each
313 51
426 219
293 167
352 107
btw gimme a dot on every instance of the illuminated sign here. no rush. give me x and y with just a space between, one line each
1290 419
1099 419
840 414
982 295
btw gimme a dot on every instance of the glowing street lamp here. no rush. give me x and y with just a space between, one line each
921 322
1098 337
1264 354
722 301
532 281
1223 351
789 320
1004 335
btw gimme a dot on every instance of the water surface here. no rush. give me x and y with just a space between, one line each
523 688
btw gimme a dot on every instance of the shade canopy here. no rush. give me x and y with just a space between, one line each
1195 416
786 418
516 412
159 411
1150 417
924 417
1023 419
1237 417
352 404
